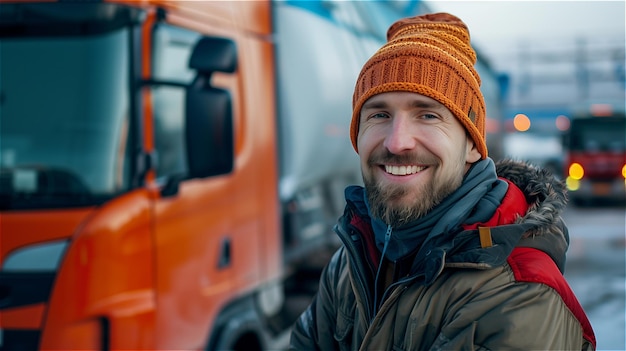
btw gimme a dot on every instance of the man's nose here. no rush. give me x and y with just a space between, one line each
400 136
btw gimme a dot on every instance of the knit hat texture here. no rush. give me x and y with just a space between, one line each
430 55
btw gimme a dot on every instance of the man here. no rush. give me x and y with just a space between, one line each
443 250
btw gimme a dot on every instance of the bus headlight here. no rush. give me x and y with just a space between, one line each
576 171
572 184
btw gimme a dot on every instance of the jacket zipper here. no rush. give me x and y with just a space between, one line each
383 309
380 264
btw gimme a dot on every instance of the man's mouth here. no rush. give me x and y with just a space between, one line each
403 170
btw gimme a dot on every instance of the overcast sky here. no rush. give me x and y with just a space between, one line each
497 25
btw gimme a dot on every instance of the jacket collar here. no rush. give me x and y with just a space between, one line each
529 216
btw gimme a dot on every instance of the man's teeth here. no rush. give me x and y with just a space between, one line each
402 170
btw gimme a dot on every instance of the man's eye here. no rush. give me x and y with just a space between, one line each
379 115
429 116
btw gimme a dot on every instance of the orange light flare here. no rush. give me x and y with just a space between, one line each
521 122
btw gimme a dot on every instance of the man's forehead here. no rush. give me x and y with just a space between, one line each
393 98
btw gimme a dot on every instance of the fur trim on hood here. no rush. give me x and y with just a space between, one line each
547 198
545 194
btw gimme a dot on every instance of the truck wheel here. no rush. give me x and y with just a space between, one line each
238 328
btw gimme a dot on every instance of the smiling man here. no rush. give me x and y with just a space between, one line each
443 249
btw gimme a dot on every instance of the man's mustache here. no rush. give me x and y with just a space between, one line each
387 157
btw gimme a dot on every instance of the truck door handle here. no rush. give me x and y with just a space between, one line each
224 257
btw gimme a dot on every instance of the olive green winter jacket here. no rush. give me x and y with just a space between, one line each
505 291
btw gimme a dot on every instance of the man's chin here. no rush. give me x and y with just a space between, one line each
405 212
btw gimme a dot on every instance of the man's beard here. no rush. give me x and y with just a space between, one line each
383 199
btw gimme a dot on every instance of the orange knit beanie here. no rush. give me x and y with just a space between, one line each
430 55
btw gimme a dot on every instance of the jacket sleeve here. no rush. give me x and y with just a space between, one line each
314 329
536 320
535 310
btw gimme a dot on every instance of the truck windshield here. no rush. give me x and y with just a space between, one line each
599 134
64 107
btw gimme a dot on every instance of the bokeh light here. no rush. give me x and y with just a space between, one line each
562 123
576 171
572 184
521 122
601 110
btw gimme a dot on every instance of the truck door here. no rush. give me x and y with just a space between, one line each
198 222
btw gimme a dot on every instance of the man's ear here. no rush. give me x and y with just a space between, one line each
472 154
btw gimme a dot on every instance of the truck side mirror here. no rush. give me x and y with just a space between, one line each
209 128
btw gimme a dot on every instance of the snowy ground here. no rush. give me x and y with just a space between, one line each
596 270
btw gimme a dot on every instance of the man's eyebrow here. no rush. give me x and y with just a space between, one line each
425 104
376 104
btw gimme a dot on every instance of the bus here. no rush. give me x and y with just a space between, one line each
595 158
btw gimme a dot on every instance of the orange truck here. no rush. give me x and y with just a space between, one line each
170 170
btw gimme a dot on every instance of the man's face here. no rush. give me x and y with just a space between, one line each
413 152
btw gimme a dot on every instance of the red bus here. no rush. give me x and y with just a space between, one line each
595 159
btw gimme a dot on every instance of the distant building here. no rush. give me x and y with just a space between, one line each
563 79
